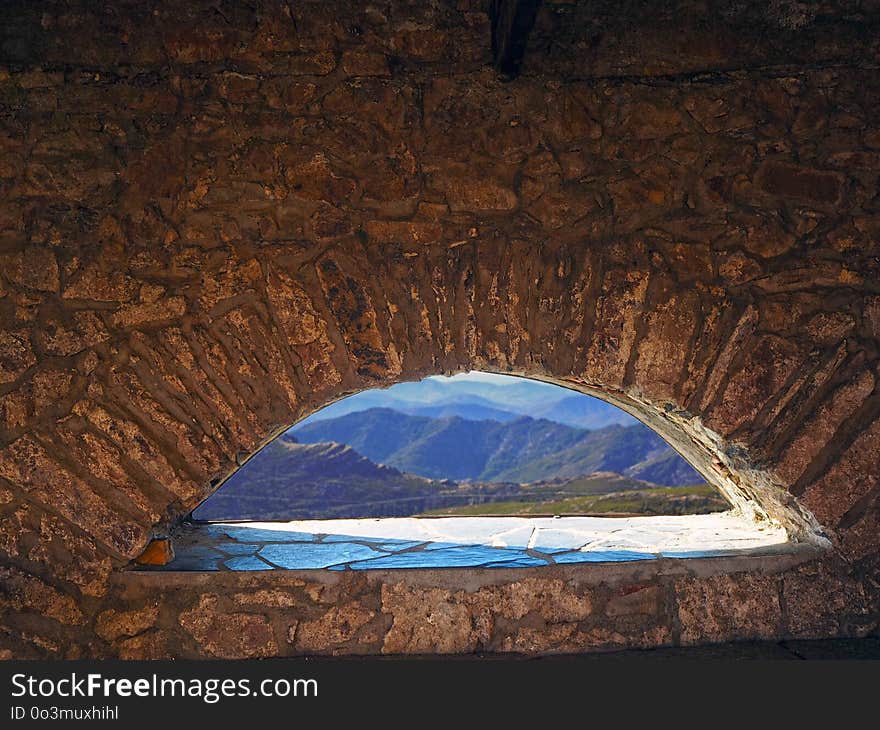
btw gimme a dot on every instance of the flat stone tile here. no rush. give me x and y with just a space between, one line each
553 539
602 556
463 541
527 561
389 545
446 545
461 557
188 562
316 555
262 534
250 562
236 548
195 557
517 537
398 545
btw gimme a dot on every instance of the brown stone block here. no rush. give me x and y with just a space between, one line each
28 594
690 261
852 475
228 635
26 463
829 328
570 639
71 335
564 206
147 646
651 120
147 393
856 160
15 410
475 190
188 43
820 427
315 179
103 461
800 183
553 600
339 625
871 316
292 96
28 532
364 63
635 601
267 597
571 116
539 640
728 608
236 87
139 445
112 624
719 113
103 280
35 268
392 178
431 621
147 313
768 363
821 601
739 268
664 351
308 64
358 321
405 232
16 354
767 239
420 42
617 314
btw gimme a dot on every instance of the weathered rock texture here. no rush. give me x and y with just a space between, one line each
216 217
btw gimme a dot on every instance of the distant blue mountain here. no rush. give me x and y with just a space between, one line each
466 411
501 398
520 450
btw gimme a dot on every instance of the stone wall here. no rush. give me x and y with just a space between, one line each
218 217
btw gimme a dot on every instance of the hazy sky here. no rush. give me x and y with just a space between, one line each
479 377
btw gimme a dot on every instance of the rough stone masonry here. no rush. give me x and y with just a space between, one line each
216 217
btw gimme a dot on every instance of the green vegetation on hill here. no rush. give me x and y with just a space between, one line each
289 480
652 501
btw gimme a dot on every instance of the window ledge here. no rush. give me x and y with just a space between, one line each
469 542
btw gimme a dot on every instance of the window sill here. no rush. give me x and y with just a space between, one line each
483 543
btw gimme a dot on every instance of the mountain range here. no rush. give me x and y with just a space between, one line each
289 480
499 398
474 443
521 450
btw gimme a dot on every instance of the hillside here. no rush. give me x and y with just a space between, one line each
641 501
522 450
290 480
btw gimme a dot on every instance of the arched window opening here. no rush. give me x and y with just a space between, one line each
469 445
472 470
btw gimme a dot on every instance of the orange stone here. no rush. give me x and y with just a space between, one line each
158 552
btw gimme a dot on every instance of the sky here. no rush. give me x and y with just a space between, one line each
475 376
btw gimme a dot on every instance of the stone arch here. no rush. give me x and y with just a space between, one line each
190 264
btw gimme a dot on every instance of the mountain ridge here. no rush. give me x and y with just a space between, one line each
291 480
522 450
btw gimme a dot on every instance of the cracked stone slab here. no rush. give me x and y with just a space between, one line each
483 542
